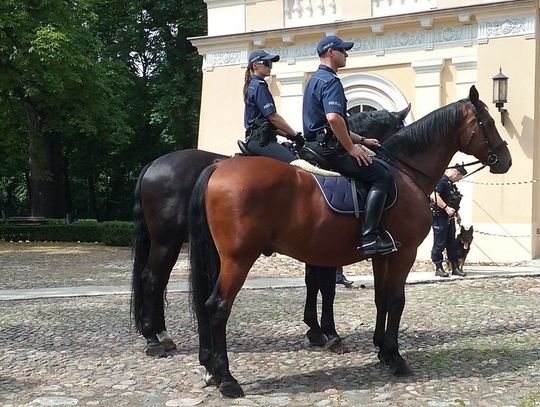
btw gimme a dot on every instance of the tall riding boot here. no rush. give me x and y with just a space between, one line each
371 242
456 271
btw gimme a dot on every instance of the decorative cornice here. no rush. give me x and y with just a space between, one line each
379 44
506 27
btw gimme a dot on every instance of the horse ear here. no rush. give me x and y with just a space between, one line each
474 97
402 114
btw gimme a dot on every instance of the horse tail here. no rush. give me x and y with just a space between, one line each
203 256
140 248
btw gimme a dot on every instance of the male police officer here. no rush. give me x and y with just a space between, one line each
445 204
325 120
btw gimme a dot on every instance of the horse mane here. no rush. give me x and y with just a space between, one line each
363 121
418 136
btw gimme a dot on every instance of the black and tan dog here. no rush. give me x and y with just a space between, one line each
463 240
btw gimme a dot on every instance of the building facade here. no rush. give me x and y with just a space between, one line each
426 52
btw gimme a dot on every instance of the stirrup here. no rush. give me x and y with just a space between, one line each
395 243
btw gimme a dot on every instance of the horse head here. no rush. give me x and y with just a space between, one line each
378 124
482 138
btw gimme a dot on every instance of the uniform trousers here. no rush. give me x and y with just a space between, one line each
444 237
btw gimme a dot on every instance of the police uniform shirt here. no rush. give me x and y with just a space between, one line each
443 189
323 94
259 102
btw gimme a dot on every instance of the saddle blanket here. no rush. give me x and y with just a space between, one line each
337 192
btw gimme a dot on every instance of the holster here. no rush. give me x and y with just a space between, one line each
263 131
327 142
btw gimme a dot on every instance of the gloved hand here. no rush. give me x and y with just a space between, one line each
299 140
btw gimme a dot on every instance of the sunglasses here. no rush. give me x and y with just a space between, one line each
340 50
265 63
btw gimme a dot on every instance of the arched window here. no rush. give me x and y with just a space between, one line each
366 92
362 107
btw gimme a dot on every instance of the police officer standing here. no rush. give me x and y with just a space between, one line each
261 120
445 205
325 120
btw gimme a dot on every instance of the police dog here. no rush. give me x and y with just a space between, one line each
463 240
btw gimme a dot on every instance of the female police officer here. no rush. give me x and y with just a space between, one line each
261 120
325 119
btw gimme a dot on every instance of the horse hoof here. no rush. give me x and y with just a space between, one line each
316 338
168 345
155 350
335 345
231 390
403 370
211 380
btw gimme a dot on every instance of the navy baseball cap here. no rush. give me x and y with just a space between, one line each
261 55
461 168
333 42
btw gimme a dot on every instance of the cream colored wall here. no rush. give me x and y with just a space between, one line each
536 146
222 110
226 20
355 9
264 15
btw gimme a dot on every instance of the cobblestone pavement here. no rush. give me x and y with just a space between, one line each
44 265
469 342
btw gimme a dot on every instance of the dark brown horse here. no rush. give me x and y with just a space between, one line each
235 215
161 203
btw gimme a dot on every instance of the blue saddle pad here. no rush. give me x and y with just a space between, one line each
337 192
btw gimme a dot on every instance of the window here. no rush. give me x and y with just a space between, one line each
363 107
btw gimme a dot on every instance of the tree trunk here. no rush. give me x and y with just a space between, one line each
47 197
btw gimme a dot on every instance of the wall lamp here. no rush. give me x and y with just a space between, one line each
500 92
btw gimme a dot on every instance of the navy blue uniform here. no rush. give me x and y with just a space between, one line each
444 227
324 94
259 104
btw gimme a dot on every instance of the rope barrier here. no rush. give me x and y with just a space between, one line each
500 235
501 183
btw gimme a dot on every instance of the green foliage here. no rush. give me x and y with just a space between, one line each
116 233
111 233
115 84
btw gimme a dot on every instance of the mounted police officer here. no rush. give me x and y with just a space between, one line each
325 120
445 205
261 120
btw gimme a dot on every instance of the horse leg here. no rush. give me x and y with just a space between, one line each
327 285
399 266
219 305
315 335
161 260
380 270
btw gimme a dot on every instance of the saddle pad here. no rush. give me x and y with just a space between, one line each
337 193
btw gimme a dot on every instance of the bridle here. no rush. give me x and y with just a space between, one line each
492 157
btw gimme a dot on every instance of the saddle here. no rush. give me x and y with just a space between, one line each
343 195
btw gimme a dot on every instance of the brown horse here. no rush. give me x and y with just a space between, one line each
236 214
161 227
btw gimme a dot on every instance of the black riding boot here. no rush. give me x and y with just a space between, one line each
439 271
456 271
371 242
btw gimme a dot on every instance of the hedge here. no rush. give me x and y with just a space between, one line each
114 233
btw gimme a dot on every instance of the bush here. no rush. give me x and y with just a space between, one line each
116 233
110 233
